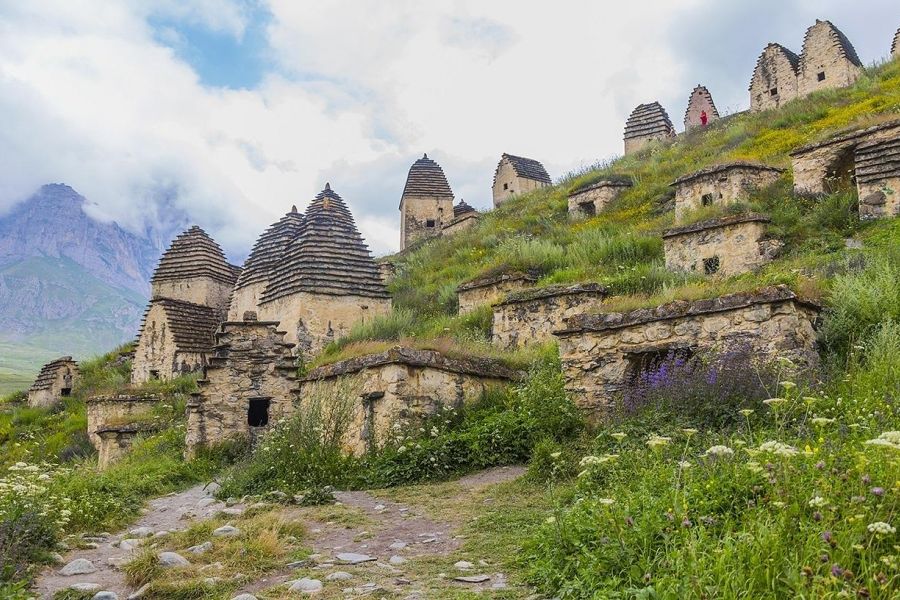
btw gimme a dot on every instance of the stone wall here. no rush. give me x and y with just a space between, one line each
592 199
531 316
828 60
400 387
720 184
461 223
110 412
246 298
55 380
157 355
199 290
487 290
723 247
507 183
602 353
878 178
774 81
422 217
827 165
314 320
249 384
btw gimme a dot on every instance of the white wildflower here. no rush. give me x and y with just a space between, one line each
817 502
719 450
881 528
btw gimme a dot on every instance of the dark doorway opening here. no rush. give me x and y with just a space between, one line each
841 173
588 209
258 412
710 265
642 364
65 392
154 374
706 199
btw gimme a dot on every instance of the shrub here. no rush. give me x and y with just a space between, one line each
705 390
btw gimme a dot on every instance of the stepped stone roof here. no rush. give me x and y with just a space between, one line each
527 168
895 45
462 208
194 254
878 160
193 326
426 178
648 120
553 291
840 41
495 278
269 247
846 136
328 256
724 167
47 377
701 91
608 181
682 308
715 224
471 365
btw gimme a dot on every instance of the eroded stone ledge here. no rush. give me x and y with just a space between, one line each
716 223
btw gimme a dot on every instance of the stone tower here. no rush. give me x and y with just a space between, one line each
191 289
774 80
701 110
647 122
426 204
828 60
895 46
326 281
517 175
263 258
194 270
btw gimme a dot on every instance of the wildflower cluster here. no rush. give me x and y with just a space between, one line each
25 488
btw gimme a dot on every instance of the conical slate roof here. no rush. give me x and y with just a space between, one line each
426 178
845 48
269 247
648 120
328 256
193 326
462 208
525 167
47 376
194 254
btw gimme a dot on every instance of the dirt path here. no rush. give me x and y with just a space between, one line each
166 514
401 540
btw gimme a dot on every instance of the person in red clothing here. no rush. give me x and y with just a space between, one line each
703 118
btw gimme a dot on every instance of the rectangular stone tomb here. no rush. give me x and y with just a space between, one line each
531 316
601 354
720 185
250 383
118 411
725 246
115 442
829 166
487 290
592 199
400 387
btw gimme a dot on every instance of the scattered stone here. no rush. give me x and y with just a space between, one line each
463 565
232 512
298 564
231 501
57 558
161 533
116 562
172 559
339 576
212 487
203 503
79 566
141 532
473 578
85 587
397 545
397 560
105 596
354 558
226 531
244 597
402 581
428 541
130 543
90 546
379 507
200 548
306 586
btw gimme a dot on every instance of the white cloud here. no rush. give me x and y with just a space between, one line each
90 95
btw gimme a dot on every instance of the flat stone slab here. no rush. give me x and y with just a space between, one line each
473 578
306 586
172 559
354 558
226 531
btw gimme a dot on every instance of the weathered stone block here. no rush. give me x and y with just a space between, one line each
489 289
590 200
721 184
774 80
517 175
724 247
118 411
647 123
55 381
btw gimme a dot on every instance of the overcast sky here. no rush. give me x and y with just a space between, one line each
233 110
